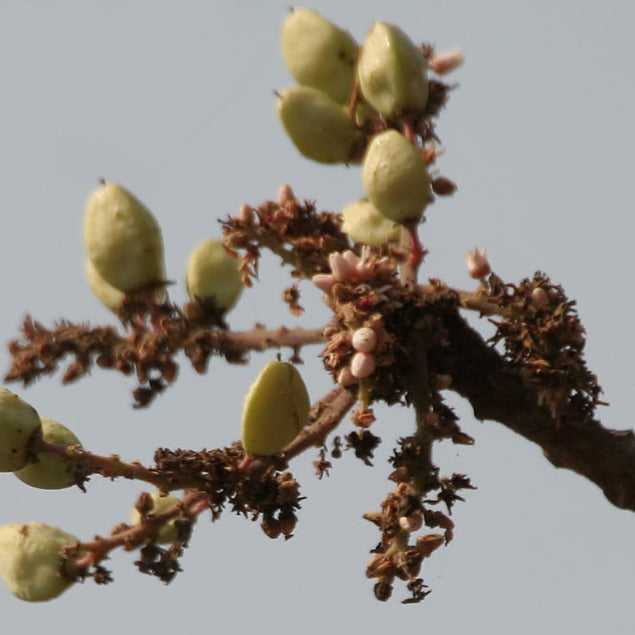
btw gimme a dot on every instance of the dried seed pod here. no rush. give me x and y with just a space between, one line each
395 177
213 272
276 408
364 340
318 53
50 471
123 239
365 224
318 126
19 426
30 560
392 71
169 532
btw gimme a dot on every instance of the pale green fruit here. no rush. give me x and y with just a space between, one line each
50 472
318 53
108 295
276 408
392 71
213 272
319 127
395 177
30 560
20 426
364 224
123 239
168 533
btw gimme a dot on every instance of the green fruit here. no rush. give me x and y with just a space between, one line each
168 533
364 224
51 472
20 426
318 53
392 71
30 560
319 127
276 409
213 273
122 239
108 295
395 177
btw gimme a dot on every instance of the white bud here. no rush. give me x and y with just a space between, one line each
364 340
363 365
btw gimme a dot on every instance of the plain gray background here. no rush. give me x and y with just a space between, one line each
174 100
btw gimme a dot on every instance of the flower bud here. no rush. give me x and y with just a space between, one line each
364 340
30 560
395 177
363 365
318 53
123 239
169 532
213 272
50 471
276 408
364 224
392 71
19 426
318 126
477 263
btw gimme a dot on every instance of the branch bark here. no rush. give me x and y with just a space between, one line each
497 392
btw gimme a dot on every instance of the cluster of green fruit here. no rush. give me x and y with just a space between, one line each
342 87
31 553
124 251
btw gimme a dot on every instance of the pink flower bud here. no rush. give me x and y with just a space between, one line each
364 340
323 281
363 365
477 264
341 267
442 63
285 194
246 214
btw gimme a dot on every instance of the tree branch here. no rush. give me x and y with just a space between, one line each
496 391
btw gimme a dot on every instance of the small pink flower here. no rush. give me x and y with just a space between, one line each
341 267
285 194
323 281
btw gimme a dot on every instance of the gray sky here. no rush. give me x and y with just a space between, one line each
174 101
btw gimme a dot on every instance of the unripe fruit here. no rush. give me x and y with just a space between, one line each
319 127
51 472
395 177
318 53
276 408
168 533
213 272
19 426
123 239
364 224
30 560
108 295
392 71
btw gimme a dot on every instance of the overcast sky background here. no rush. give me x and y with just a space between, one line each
174 101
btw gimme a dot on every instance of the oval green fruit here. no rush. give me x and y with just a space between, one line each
50 472
30 559
318 126
123 239
276 408
395 177
392 71
213 273
168 533
318 53
19 426
364 224
108 295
